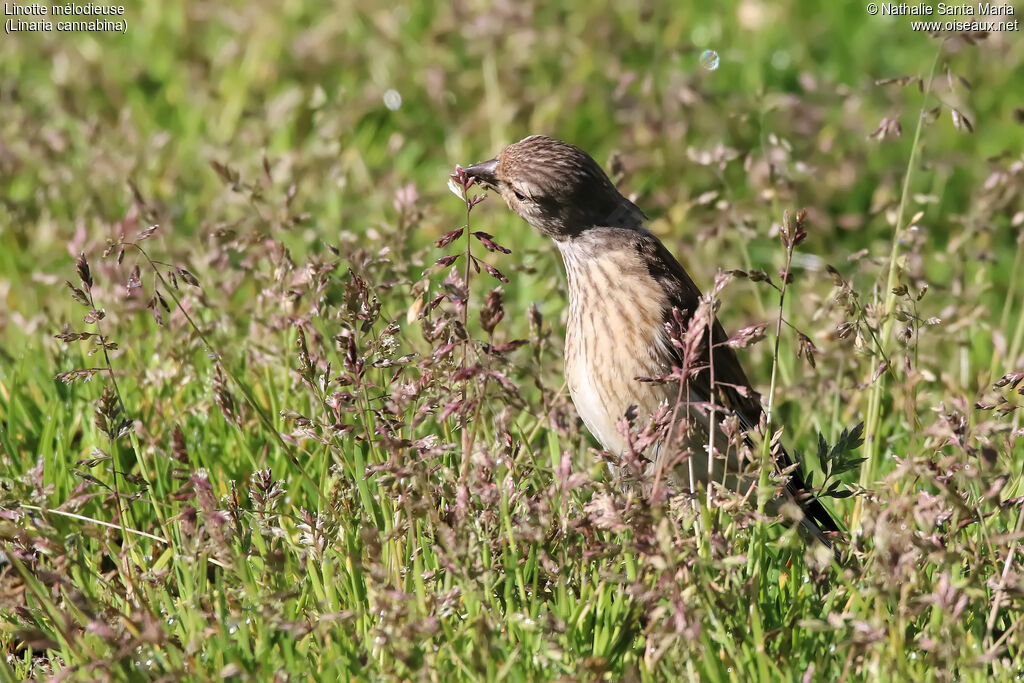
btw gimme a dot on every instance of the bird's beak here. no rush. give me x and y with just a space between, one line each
484 173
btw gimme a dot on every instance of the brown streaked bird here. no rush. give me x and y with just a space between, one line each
623 287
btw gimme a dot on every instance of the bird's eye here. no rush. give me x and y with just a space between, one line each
519 195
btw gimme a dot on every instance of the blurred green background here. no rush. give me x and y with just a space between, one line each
305 83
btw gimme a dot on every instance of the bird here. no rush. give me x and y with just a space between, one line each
625 291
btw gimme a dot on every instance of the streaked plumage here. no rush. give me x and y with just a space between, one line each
623 287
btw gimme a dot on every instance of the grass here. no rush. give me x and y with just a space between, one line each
332 458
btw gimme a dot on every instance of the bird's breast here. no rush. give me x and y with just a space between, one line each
614 334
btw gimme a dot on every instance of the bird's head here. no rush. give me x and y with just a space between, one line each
556 187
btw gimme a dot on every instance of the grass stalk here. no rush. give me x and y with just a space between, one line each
873 416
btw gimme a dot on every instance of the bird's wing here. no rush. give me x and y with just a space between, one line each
732 388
